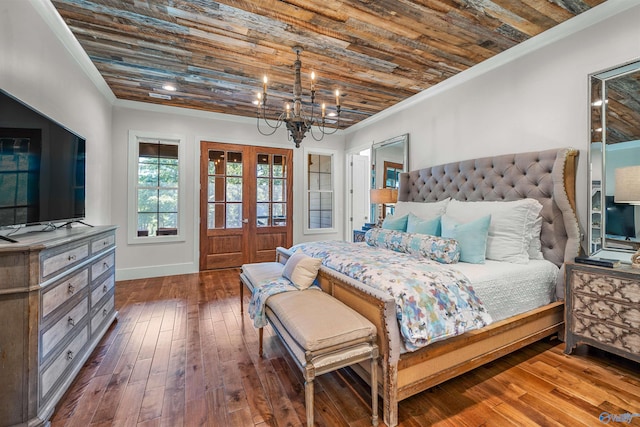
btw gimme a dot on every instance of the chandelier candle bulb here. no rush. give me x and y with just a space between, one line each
323 110
337 98
288 108
313 81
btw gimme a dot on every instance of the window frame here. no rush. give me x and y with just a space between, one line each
333 155
135 138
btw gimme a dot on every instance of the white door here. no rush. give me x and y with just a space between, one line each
360 171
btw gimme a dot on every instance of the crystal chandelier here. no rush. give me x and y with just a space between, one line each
296 121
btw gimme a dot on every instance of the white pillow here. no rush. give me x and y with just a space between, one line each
535 247
511 228
423 210
301 269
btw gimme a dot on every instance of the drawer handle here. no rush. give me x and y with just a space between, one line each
70 288
104 312
105 265
104 288
69 355
104 243
71 322
72 258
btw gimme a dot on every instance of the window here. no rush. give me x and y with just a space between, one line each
155 180
319 185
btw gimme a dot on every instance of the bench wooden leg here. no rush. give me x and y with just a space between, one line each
241 297
374 389
308 400
260 332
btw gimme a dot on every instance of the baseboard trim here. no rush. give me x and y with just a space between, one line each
155 271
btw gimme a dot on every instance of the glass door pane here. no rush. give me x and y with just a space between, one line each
224 192
271 191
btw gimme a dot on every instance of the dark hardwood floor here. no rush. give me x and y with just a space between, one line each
181 353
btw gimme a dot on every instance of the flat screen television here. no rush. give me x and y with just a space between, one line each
42 167
620 218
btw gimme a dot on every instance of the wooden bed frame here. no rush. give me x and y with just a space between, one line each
548 176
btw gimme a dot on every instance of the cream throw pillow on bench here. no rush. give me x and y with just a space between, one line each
301 269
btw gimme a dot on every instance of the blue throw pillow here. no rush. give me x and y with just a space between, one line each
471 236
398 224
416 224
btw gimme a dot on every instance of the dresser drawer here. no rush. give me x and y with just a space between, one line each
102 314
54 261
66 325
102 243
606 285
102 265
612 311
63 361
102 289
608 334
59 293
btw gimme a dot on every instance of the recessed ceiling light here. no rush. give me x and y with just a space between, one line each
332 114
169 87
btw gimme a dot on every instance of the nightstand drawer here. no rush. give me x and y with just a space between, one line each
623 315
607 334
606 285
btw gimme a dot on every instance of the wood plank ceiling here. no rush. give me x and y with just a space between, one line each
376 52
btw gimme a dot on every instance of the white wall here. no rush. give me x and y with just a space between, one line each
38 69
147 260
532 97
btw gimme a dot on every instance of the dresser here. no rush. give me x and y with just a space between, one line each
56 302
602 309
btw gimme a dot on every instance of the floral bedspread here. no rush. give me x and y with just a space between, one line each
433 302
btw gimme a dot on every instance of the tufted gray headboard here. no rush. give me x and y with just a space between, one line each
548 176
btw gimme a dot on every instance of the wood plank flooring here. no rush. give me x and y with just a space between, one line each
181 353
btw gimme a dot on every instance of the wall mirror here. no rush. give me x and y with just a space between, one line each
388 159
614 155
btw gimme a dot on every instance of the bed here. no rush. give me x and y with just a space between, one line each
547 176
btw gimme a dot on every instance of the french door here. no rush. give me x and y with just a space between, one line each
246 205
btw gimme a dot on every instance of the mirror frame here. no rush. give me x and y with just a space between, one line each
596 236
376 157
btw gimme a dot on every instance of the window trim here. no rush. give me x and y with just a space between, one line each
333 155
135 137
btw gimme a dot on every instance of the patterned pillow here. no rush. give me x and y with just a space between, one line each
436 248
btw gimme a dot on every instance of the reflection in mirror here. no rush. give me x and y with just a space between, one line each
388 159
615 147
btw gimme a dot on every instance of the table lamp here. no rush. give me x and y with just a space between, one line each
383 196
628 191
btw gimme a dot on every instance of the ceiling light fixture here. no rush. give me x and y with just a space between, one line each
169 87
296 121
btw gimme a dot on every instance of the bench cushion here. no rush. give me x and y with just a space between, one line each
316 320
262 272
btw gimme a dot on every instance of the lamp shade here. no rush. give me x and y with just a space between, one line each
384 195
627 185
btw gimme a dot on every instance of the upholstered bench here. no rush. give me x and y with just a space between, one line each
320 333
